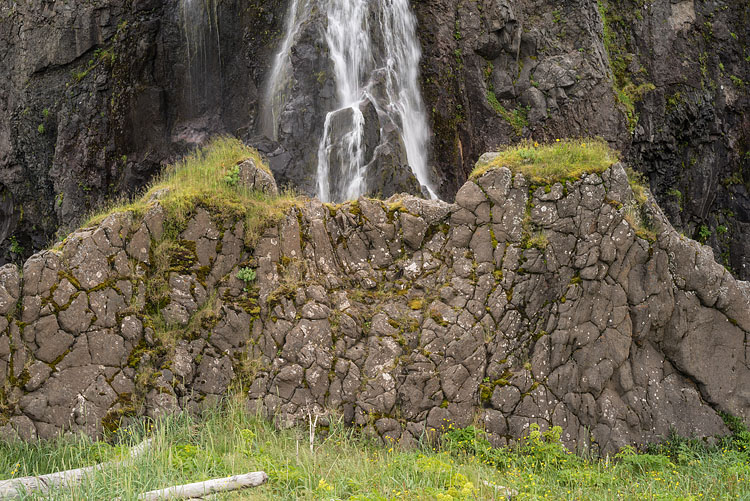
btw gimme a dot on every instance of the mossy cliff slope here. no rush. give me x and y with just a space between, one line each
572 304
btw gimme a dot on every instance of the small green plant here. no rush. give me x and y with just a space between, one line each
45 112
40 129
518 118
233 176
737 81
703 233
722 230
637 181
247 275
537 241
15 246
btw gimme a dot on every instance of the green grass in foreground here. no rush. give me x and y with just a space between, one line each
346 465
208 178
562 160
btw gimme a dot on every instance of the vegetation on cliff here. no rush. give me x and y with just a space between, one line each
209 178
559 161
343 464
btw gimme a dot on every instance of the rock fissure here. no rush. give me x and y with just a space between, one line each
405 315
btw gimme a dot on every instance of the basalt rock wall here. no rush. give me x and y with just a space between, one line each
518 304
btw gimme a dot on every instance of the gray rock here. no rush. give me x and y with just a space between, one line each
77 317
255 177
391 313
10 288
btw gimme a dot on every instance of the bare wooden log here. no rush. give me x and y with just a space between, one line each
15 488
201 489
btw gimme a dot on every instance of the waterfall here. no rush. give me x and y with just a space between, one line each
403 57
348 38
281 71
200 23
374 55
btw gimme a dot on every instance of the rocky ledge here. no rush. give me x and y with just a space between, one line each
567 304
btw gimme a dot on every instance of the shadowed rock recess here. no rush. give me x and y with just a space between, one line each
518 304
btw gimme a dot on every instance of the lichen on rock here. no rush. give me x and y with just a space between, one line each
520 304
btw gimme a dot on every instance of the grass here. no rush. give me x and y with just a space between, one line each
563 160
345 464
617 21
518 118
207 178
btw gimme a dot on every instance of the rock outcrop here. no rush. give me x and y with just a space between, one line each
665 82
518 304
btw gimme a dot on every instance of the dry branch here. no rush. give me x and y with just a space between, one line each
201 489
15 488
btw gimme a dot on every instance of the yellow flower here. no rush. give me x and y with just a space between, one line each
324 486
558 140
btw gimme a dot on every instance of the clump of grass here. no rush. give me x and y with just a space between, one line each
563 160
636 212
518 118
417 303
204 179
345 464
637 183
537 240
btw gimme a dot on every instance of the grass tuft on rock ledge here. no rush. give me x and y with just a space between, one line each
559 161
207 178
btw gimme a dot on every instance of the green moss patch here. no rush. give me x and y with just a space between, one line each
562 160
204 179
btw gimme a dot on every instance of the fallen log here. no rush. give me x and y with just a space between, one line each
15 488
200 489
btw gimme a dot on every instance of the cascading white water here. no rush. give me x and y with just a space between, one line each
360 58
281 71
403 56
375 56
348 37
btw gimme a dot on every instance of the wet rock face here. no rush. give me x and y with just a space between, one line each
548 66
518 304
97 96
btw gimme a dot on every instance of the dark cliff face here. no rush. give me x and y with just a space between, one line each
666 83
96 97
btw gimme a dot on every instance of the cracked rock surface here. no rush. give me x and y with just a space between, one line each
518 304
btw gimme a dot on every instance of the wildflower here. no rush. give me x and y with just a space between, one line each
324 486
557 140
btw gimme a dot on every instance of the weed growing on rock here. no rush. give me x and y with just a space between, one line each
518 118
